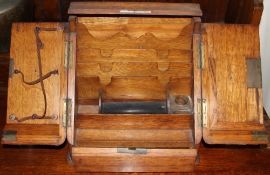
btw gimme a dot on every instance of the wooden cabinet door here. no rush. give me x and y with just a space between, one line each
37 87
231 85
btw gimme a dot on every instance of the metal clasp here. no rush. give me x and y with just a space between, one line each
132 150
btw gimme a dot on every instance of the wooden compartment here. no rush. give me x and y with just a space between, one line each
130 53
133 59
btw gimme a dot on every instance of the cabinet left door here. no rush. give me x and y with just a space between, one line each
37 85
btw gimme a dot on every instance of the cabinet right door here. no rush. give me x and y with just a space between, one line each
232 108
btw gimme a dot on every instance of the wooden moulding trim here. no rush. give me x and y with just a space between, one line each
134 135
71 77
136 144
131 55
142 21
131 121
124 41
135 8
232 137
31 129
29 134
156 160
82 151
197 78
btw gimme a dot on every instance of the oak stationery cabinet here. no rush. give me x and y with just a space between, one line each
134 87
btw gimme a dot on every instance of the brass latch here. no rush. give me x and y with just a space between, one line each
67 112
202 111
132 150
9 136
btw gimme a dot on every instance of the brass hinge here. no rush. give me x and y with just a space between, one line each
260 136
201 57
9 136
11 67
202 111
67 112
68 53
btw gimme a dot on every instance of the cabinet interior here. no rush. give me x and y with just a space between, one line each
134 59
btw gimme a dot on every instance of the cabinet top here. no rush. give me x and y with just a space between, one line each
134 8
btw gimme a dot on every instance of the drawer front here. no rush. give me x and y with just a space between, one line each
124 160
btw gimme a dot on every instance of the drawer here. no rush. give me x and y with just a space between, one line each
130 160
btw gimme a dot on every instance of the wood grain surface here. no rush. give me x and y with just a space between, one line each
25 100
232 106
125 58
197 89
109 160
162 160
151 131
133 58
53 160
